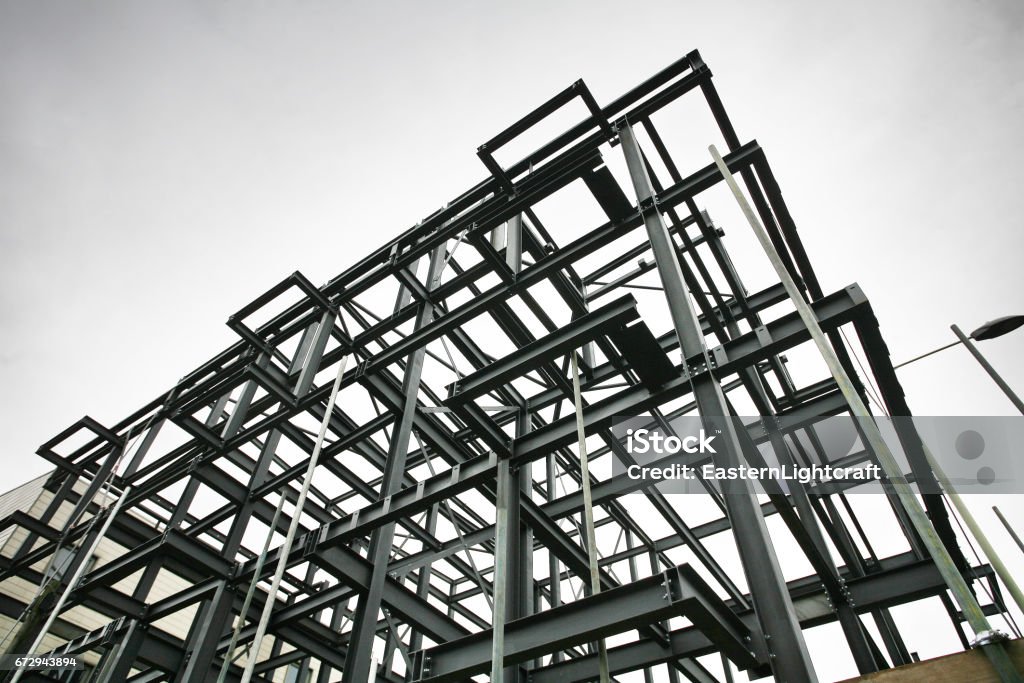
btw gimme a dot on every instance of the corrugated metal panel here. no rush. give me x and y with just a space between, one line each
21 498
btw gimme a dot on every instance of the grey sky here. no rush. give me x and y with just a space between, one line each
162 163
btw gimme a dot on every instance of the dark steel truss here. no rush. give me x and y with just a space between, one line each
458 334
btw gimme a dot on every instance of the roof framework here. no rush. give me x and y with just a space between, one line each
457 336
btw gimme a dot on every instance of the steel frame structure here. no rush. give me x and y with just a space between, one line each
459 372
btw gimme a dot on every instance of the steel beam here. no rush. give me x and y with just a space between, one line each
903 580
676 592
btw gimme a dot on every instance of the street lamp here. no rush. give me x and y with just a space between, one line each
990 330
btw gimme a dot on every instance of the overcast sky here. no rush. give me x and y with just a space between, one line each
163 163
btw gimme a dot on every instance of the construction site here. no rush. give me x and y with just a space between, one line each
413 472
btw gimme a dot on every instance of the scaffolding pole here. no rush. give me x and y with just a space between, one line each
286 547
55 612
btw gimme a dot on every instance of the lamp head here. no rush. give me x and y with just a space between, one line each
998 327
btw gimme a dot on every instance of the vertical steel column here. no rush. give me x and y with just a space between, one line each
853 629
423 580
404 293
52 580
891 638
98 481
215 615
633 576
152 570
147 441
499 612
205 635
243 614
997 655
554 571
119 662
181 506
360 649
337 615
519 580
59 497
514 250
788 652
498 237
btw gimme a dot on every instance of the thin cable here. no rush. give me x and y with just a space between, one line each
873 391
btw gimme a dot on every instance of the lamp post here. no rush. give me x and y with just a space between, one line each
990 330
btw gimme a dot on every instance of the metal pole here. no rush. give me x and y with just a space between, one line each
74 580
1000 382
925 355
243 614
285 550
780 627
554 570
498 611
943 562
972 524
588 508
1009 529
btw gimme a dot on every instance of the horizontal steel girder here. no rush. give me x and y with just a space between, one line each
675 592
902 579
